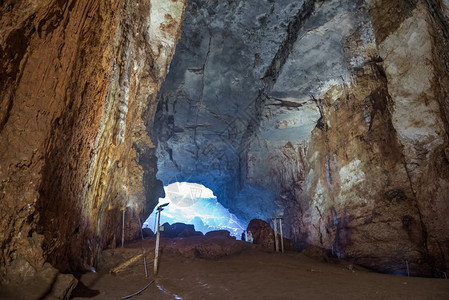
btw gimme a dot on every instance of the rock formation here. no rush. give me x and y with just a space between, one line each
262 233
79 81
333 114
179 230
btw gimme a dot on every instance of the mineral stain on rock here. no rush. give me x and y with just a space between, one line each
73 72
350 89
331 114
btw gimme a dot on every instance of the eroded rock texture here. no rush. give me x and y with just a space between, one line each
78 83
333 114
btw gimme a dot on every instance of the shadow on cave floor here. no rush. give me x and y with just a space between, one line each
224 268
83 291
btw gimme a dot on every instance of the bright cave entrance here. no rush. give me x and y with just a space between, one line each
195 204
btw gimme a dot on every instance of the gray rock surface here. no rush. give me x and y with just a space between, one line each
209 102
330 113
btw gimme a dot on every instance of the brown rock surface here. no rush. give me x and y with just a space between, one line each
205 247
77 79
224 233
179 230
333 114
46 283
262 233
376 177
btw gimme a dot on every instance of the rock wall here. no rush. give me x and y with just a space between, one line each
333 114
377 177
78 82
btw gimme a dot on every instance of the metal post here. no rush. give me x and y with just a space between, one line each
158 234
282 236
156 250
275 234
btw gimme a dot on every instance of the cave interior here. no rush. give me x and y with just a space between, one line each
330 115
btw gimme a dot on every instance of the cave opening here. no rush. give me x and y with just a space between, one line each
330 115
194 204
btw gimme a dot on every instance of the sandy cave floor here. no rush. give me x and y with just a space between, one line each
252 274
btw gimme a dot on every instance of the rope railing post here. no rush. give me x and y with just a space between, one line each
160 208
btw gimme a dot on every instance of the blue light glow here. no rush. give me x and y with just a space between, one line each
192 203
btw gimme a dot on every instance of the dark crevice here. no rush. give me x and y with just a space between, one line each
286 47
5 117
270 77
437 13
53 18
319 227
320 124
203 68
285 102
424 234
11 56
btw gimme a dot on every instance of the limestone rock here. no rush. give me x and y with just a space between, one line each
210 247
224 233
179 230
147 232
332 114
218 248
187 233
317 253
262 233
77 80
288 245
44 283
63 286
20 270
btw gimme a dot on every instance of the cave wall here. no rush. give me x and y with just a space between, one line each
377 179
210 101
330 113
78 82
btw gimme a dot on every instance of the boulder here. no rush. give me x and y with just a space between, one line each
63 286
187 233
208 247
219 247
262 233
213 233
178 230
317 253
288 245
42 283
147 232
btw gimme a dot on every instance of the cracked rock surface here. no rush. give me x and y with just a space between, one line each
333 114
78 82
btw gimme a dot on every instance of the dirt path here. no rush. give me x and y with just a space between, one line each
252 274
